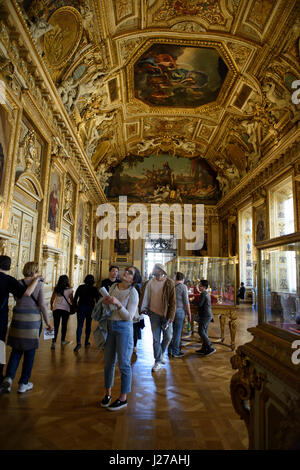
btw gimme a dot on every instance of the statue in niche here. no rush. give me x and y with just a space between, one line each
31 158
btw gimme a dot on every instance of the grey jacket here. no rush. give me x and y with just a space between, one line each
101 314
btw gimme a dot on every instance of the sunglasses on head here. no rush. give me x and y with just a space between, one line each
129 272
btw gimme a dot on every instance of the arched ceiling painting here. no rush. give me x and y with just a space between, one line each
208 80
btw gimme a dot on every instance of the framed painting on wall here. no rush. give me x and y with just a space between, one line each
54 201
122 245
5 133
260 223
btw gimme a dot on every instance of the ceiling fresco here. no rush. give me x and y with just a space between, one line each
185 77
161 178
207 81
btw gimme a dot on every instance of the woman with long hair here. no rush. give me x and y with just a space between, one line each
25 330
123 302
60 302
86 296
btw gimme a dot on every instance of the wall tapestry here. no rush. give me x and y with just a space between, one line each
164 178
180 76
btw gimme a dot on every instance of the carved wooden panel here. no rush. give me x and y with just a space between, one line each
22 244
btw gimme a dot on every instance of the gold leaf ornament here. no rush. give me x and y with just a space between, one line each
63 40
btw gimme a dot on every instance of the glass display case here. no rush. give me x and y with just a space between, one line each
219 272
279 283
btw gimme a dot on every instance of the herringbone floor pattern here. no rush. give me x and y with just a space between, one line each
185 405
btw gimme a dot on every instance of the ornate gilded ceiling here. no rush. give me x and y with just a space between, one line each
188 78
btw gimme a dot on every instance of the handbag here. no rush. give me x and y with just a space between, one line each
73 308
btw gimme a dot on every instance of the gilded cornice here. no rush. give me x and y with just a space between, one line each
286 153
39 76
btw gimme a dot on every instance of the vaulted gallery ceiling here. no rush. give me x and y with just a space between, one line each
208 81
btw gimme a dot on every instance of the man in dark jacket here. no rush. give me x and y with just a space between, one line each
241 293
205 317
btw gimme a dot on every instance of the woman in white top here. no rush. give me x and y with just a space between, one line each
60 302
123 302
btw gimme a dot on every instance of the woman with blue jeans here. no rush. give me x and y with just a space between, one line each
123 302
182 307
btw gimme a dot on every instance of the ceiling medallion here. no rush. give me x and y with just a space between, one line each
180 76
62 41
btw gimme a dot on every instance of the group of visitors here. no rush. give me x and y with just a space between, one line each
165 302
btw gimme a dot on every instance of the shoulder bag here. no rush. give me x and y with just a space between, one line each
72 307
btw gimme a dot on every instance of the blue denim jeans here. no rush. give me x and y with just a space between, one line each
14 361
119 344
174 347
157 324
84 313
203 333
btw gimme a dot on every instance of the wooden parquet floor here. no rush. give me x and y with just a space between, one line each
184 406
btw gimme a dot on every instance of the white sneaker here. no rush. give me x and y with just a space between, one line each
25 387
163 360
6 385
156 366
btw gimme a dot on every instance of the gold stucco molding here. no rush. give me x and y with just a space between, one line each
286 155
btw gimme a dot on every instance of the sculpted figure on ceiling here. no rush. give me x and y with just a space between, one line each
71 90
103 175
228 175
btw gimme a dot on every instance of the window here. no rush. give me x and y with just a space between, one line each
282 209
246 248
159 249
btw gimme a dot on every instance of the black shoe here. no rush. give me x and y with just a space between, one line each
117 405
200 351
77 348
180 354
106 401
87 345
209 352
